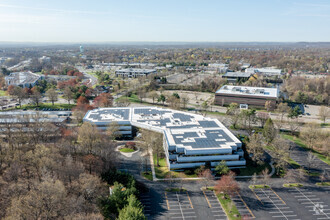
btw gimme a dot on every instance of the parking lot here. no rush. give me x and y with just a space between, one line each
274 204
300 156
179 205
214 204
242 207
311 201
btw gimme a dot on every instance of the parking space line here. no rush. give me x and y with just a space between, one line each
168 205
239 195
190 200
277 195
257 196
311 202
207 199
179 205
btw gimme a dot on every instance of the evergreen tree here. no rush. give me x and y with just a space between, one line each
222 168
269 131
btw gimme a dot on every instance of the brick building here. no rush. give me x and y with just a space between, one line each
253 96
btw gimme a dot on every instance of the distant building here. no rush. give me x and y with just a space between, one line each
3 60
234 77
245 65
133 73
44 59
220 67
23 79
81 48
189 140
253 96
267 71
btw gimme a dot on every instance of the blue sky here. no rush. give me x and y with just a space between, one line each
167 20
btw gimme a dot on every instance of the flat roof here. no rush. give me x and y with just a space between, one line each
237 74
22 77
182 129
266 70
133 70
249 91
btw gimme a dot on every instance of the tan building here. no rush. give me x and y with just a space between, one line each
252 96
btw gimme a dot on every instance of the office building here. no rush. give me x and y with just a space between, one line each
252 96
189 140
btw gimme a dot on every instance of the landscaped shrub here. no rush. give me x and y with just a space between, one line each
130 145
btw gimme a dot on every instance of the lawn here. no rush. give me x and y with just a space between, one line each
323 184
258 186
47 105
215 113
325 124
294 164
300 142
163 172
3 93
147 175
132 98
251 169
293 185
126 150
229 207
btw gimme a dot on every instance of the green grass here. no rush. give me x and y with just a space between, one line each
251 168
3 93
258 186
294 164
162 170
147 175
132 98
215 113
292 185
323 184
313 173
325 124
47 105
211 188
175 190
126 150
229 207
301 143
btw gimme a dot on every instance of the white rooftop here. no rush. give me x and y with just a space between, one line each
186 130
249 91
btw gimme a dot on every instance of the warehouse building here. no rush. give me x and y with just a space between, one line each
234 77
252 96
189 140
23 79
266 71
133 73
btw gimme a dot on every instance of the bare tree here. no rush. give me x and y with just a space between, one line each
153 95
152 140
255 148
68 94
310 160
265 176
309 134
324 113
113 130
52 95
206 176
293 124
88 137
36 97
184 100
20 95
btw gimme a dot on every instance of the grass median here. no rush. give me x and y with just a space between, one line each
162 170
229 207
